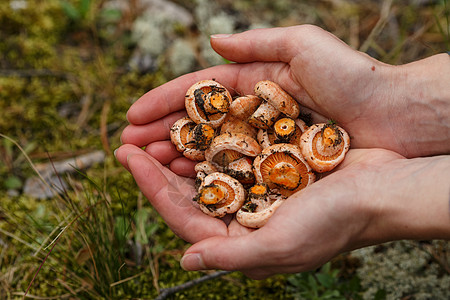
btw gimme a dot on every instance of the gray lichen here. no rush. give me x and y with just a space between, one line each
402 269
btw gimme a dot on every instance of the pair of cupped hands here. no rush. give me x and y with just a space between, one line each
348 208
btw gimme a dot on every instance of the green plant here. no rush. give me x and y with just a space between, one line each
446 15
74 12
324 284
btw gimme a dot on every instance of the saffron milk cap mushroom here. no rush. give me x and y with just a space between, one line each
282 167
282 132
220 194
229 147
203 169
235 125
276 102
324 146
208 101
180 135
260 206
243 107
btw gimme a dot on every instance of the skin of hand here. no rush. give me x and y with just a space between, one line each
374 196
381 106
405 109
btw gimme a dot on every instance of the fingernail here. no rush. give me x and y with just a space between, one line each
128 157
115 152
192 262
221 36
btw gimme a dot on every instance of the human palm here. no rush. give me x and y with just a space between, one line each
331 81
325 217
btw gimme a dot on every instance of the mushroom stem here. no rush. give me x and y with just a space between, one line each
285 175
284 129
264 116
216 102
211 194
331 136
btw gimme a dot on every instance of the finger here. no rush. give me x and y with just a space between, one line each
169 97
159 130
183 167
228 253
172 198
163 151
269 44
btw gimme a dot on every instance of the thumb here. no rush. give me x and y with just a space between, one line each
226 253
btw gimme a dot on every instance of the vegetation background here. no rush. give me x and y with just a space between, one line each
69 70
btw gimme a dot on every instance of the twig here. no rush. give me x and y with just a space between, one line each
384 16
172 290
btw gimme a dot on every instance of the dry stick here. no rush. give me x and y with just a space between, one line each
172 290
384 16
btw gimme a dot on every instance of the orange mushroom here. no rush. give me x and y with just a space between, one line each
260 206
276 102
283 131
282 167
324 146
229 147
208 101
220 194
181 137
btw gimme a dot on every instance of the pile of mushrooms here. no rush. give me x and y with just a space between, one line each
253 151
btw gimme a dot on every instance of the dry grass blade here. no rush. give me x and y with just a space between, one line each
384 17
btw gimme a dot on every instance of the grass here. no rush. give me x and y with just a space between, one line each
64 91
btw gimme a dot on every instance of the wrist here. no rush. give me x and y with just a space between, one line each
413 202
420 106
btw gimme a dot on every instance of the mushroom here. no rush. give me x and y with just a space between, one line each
235 125
324 146
229 147
276 102
282 167
203 169
242 170
283 131
208 101
259 207
220 194
182 138
243 107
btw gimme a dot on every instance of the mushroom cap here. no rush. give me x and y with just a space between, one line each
179 132
244 106
201 136
242 170
194 154
232 189
197 113
259 217
324 154
238 143
205 167
280 99
180 135
235 125
282 167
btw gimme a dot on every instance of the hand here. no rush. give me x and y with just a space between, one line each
171 195
376 103
355 206
371 198
367 200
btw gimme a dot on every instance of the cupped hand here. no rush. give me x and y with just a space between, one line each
335 214
172 196
320 71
